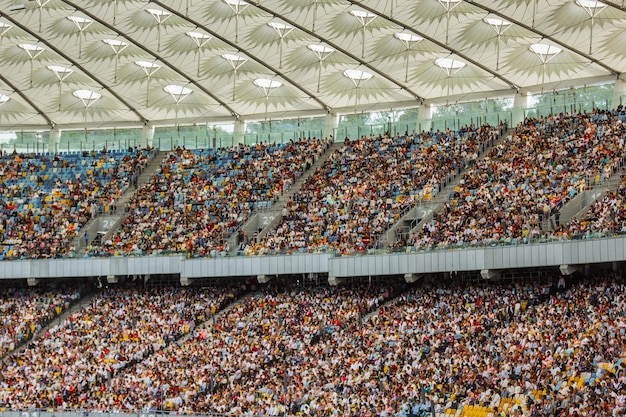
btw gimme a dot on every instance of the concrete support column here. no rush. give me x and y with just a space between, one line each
425 117
54 139
239 131
521 102
332 123
147 135
619 94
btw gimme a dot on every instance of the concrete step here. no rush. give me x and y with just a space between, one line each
580 204
297 185
427 208
265 219
115 217
143 178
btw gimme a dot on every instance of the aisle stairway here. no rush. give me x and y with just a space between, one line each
262 220
415 217
144 177
105 223
580 204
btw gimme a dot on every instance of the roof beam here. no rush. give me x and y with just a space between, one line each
74 62
149 51
436 42
238 48
615 5
570 48
154 54
337 47
26 99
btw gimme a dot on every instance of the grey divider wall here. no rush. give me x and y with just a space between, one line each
256 265
402 263
86 267
503 257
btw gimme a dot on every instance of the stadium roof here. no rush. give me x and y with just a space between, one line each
75 63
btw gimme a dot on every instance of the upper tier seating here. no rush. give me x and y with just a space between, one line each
47 198
197 199
509 195
200 197
364 187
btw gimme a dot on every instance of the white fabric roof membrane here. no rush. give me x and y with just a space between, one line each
197 61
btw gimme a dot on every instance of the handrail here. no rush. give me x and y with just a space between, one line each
488 244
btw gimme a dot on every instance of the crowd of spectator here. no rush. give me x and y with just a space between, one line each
509 195
531 348
240 363
364 187
515 351
118 327
47 198
197 198
25 311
